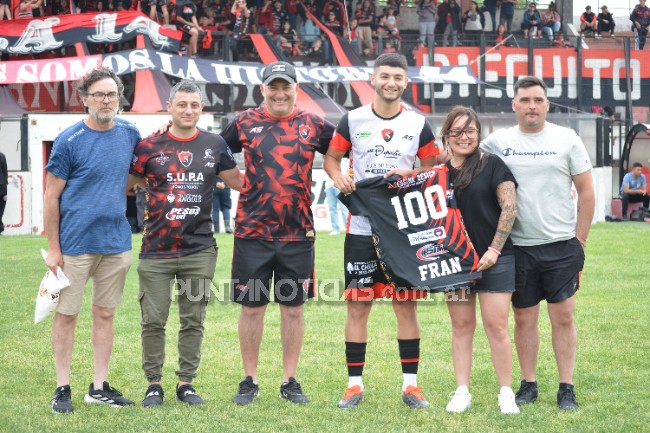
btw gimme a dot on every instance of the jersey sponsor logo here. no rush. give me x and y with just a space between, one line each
304 131
209 164
189 176
185 157
171 198
257 130
361 268
208 154
179 213
512 152
363 135
379 168
440 268
380 150
425 236
162 159
429 252
408 137
387 134
189 198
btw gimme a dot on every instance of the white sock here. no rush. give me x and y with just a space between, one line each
410 379
463 389
505 390
355 380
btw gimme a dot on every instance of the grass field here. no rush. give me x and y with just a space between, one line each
612 376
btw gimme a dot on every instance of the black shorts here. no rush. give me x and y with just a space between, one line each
498 278
259 266
548 272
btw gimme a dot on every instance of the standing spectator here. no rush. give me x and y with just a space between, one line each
178 248
366 19
549 239
473 24
634 188
605 22
427 21
333 24
291 6
359 132
88 234
274 230
221 204
265 17
532 22
507 13
491 7
4 181
153 11
332 6
352 35
242 19
187 22
485 191
310 31
551 22
453 24
588 22
640 18
278 17
5 9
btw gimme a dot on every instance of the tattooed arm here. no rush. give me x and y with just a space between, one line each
507 197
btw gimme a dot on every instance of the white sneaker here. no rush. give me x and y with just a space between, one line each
507 401
461 400
334 233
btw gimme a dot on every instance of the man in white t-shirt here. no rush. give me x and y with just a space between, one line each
549 236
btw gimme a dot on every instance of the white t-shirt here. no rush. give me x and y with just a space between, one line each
543 165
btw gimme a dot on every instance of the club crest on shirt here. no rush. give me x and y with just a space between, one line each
304 131
387 134
185 157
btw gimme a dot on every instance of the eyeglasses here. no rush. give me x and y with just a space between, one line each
100 96
470 132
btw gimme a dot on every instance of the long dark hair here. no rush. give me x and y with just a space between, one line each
473 164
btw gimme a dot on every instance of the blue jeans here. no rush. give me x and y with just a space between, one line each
221 202
333 206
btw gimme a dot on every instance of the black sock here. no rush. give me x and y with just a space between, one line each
355 357
409 353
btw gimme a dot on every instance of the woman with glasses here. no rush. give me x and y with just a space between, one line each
532 22
485 192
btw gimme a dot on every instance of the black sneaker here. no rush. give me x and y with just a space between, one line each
292 391
107 395
62 401
186 394
155 396
527 393
247 391
566 397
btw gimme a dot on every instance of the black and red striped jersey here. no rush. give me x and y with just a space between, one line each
378 145
275 200
180 174
418 232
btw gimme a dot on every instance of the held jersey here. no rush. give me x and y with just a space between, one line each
275 200
418 232
378 145
180 174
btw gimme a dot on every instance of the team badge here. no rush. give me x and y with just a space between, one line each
185 157
304 131
387 134
305 285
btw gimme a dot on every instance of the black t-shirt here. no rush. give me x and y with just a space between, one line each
479 205
180 175
418 232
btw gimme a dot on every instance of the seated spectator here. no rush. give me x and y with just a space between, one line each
605 22
309 31
532 22
208 19
501 36
288 39
389 47
351 35
473 22
186 22
588 21
5 9
316 50
634 188
391 21
394 5
333 24
551 22
153 11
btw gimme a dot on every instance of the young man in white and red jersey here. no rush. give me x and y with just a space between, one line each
383 138
274 226
178 170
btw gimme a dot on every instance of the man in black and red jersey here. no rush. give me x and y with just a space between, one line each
178 170
383 138
274 226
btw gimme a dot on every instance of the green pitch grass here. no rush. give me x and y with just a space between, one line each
612 375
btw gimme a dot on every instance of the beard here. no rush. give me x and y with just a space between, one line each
101 116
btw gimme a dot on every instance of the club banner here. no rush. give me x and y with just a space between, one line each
206 71
39 35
